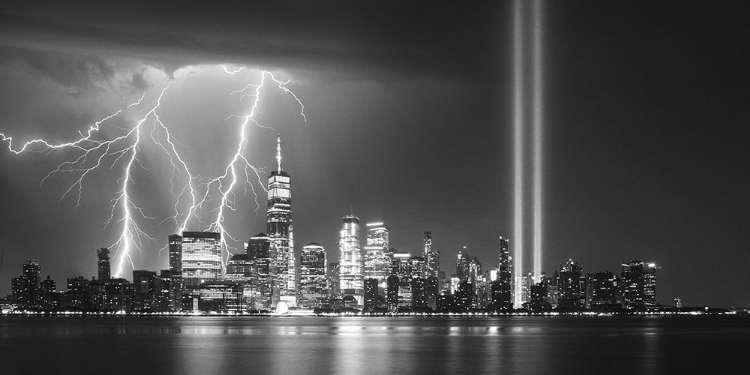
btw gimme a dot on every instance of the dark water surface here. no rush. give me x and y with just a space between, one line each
516 345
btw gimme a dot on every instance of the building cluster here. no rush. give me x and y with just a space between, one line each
366 275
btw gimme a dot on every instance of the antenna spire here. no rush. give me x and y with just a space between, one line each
278 152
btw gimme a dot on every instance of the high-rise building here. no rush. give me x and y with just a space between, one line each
475 270
103 264
334 280
638 284
572 285
502 285
351 275
201 256
462 265
26 288
264 293
175 254
280 229
376 260
313 286
602 290
431 257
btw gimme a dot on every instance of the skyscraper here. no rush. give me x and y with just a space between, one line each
201 256
280 229
262 257
502 285
376 253
351 276
572 286
103 264
431 257
175 253
312 276
638 284
462 265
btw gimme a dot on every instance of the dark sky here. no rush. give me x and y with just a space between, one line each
408 122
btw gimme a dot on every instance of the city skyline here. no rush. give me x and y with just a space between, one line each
411 126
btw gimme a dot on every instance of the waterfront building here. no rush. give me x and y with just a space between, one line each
371 294
334 280
263 292
638 284
602 291
376 258
431 257
280 229
351 274
572 286
502 287
175 253
462 265
102 264
26 288
201 257
313 285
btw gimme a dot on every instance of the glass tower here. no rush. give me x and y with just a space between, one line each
312 276
351 264
376 253
201 256
280 229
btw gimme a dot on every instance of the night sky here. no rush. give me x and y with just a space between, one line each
409 122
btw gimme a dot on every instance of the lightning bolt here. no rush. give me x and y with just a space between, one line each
94 154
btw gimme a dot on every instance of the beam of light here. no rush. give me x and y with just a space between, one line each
537 125
518 149
96 154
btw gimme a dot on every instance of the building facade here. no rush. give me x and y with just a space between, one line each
201 257
280 229
313 285
351 262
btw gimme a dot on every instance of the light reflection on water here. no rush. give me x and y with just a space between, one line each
203 345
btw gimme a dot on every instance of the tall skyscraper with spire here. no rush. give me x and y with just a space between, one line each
280 230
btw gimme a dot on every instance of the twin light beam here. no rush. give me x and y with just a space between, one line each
93 154
527 71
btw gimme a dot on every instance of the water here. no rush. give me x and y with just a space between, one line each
514 345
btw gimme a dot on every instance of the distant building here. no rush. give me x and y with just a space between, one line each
371 294
462 265
280 229
638 284
264 291
201 256
175 253
334 280
602 291
145 288
351 274
502 298
26 288
103 264
431 257
572 286
376 258
313 286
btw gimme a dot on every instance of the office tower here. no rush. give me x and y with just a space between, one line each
638 284
371 294
262 258
334 280
351 264
49 298
475 270
602 290
239 268
26 288
201 256
175 254
103 264
431 257
572 285
376 259
144 285
462 265
502 285
313 286
280 229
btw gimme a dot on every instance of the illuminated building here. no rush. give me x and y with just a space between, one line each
475 270
351 265
144 285
638 284
220 296
539 300
239 268
175 253
264 291
168 288
602 291
376 252
334 280
313 286
371 294
201 256
572 285
26 289
280 229
431 257
102 264
502 285
462 265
